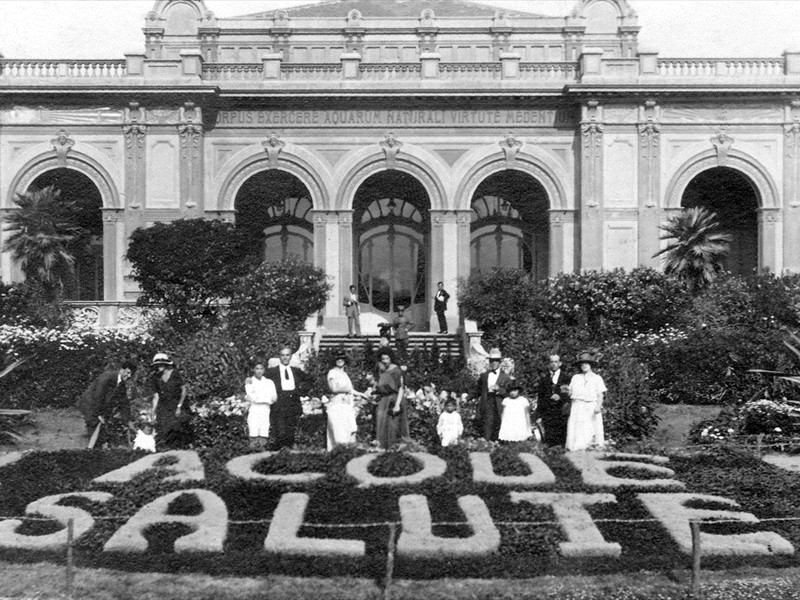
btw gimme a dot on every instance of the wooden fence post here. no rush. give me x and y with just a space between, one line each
695 527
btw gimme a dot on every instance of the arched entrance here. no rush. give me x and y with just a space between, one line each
391 228
274 207
510 224
732 196
86 283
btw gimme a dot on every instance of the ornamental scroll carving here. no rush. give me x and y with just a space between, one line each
592 133
62 144
134 130
273 146
511 147
791 144
649 146
391 147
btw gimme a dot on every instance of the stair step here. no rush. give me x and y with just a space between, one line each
447 343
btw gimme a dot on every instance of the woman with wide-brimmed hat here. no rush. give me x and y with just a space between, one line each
168 401
587 390
340 408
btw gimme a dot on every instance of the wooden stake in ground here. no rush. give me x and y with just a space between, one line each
390 561
695 527
70 569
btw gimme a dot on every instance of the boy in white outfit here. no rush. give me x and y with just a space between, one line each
450 426
260 393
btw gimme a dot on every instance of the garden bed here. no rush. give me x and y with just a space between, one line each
522 531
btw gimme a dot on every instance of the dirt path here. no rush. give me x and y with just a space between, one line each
52 429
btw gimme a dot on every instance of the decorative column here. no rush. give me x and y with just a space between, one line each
649 183
770 240
562 242
190 130
333 252
449 259
791 188
115 244
591 232
135 131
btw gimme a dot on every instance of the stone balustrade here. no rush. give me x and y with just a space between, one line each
593 66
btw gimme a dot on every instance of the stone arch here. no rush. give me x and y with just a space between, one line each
161 13
78 161
477 166
304 165
770 252
765 188
425 167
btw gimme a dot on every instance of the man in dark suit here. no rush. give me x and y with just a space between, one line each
491 388
106 396
440 306
553 402
353 311
291 384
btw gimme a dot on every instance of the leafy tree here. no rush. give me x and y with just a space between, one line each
41 232
188 266
699 248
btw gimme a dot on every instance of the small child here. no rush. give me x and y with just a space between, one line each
450 426
261 393
145 440
515 424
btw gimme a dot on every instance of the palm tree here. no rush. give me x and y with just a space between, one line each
41 232
699 248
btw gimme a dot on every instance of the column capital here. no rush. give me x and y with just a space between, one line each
332 216
561 215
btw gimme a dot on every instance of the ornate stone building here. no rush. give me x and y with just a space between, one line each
398 143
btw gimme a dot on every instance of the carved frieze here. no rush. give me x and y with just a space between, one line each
21 115
720 114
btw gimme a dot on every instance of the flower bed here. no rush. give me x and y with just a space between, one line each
515 511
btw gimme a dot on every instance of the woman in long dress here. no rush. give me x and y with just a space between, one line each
340 408
391 417
587 390
168 400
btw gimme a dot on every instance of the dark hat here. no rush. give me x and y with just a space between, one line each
586 357
340 354
514 384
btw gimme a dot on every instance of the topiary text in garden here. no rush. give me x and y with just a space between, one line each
457 513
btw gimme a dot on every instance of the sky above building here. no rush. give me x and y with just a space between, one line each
675 28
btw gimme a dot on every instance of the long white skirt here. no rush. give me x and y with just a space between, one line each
258 420
341 423
585 427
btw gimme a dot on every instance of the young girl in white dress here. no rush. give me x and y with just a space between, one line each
261 394
449 426
515 424
587 390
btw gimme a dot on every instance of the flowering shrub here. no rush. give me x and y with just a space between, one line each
767 416
64 362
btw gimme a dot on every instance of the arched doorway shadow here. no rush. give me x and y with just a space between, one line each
86 282
274 208
391 229
733 197
510 224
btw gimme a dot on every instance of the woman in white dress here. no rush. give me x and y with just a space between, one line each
340 408
587 390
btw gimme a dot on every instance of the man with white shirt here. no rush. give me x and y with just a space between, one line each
491 389
291 385
553 402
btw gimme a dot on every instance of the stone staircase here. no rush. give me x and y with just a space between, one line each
448 343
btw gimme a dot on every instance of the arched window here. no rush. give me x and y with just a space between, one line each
732 196
391 229
275 208
86 283
510 224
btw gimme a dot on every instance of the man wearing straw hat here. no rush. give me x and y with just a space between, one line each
491 388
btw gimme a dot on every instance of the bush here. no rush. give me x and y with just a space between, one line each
24 304
600 305
270 305
188 266
63 363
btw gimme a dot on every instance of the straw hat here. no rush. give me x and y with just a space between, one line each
162 359
586 357
495 354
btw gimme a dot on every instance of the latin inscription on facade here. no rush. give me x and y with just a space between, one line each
394 118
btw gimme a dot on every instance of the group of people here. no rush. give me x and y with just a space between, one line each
566 411
568 408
